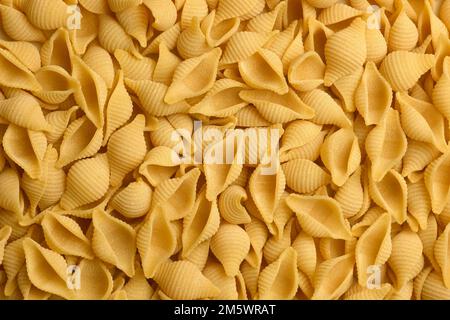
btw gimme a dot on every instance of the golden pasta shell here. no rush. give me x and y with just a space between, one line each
304 176
114 241
299 133
94 290
345 89
281 41
264 70
25 52
231 288
183 280
403 34
137 288
249 116
15 74
126 149
376 45
64 236
433 288
166 65
441 254
341 155
351 195
338 12
13 261
279 280
278 108
321 3
57 50
27 289
159 164
87 181
47 14
276 244
429 24
306 253
268 21
258 233
11 219
58 120
164 13
306 72
345 51
203 69
192 41
199 256
419 202
81 38
95 6
320 216
227 9
357 292
402 69
406 259
333 277
418 155
440 96
169 37
193 8
99 60
373 96
230 245
57 84
134 200
156 241
112 36
5 233
218 33
428 237
17 27
438 183
24 111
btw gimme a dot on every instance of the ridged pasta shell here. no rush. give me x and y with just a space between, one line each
341 155
11 197
11 219
438 183
249 116
279 280
169 37
304 176
306 72
403 34
28 291
385 145
13 261
373 96
58 120
193 8
357 292
321 3
114 241
137 288
25 52
227 9
230 245
57 84
421 121
333 277
159 164
402 69
99 60
126 149
200 224
258 233
390 193
46 269
91 93
327 111
306 254
441 254
47 14
406 259
135 20
134 68
268 21
419 202
26 148
192 41
337 13
166 65
433 288
81 140
5 233
444 13
222 100
429 24
299 133
278 108
151 95
183 280
376 45
94 290
351 195
64 236
203 69
318 34
121 5
112 36
218 33
440 95
95 6
58 50
281 41
87 181
345 51
345 89
418 155
374 247
264 70
428 237
24 111
16 25
230 287
134 200
156 241
15 74
276 244
81 38
164 13
320 216
199 256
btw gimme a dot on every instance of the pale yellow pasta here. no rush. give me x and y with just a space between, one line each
231 288
166 65
351 195
438 182
112 36
99 60
403 34
304 176
134 20
134 68
164 13
57 50
275 245
134 200
307 71
258 234
418 155
159 165
233 8
25 52
217 34
16 25
345 89
419 202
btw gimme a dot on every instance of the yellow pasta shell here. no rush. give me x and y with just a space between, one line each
57 50
17 27
219 33
24 111
159 164
99 60
5 233
134 68
345 89
134 200
258 233
166 65
438 183
230 287
199 256
25 52
306 254
112 36
276 244
376 45
418 155
11 198
357 292
306 72
299 133
164 13
57 84
304 176
351 195
169 37
419 202
441 253
433 288
15 74
47 14
227 9
440 96
193 8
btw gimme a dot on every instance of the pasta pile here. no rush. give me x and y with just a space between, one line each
97 95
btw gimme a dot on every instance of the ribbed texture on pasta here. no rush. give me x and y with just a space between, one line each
17 26
304 175
134 200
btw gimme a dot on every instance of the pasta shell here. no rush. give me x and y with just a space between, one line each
438 183
306 254
218 33
94 290
114 241
440 96
429 24
230 245
193 8
258 234
249 116
126 149
415 114
223 99
5 233
11 197
327 111
200 224
112 36
279 280
434 288
81 38
164 12
444 13
151 95
134 68
46 269
376 45
358 292
278 108
419 202
373 96
351 195
264 70
57 84
321 3
403 34
227 9
137 288
342 60
26 148
58 120
336 13
406 259
134 20
199 256
134 200
275 245
91 93
87 181
203 69
15 74
341 158
81 140
156 241
169 37
402 69
99 60
441 253
304 176
428 237
58 50
24 111
17 27
306 72
95 6
121 5
13 261
320 216
281 41
268 21
299 133
373 247
333 277
11 219
230 287
64 236
166 65
317 37
25 52
345 89
385 145
183 280
47 14
159 164
28 291
418 155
